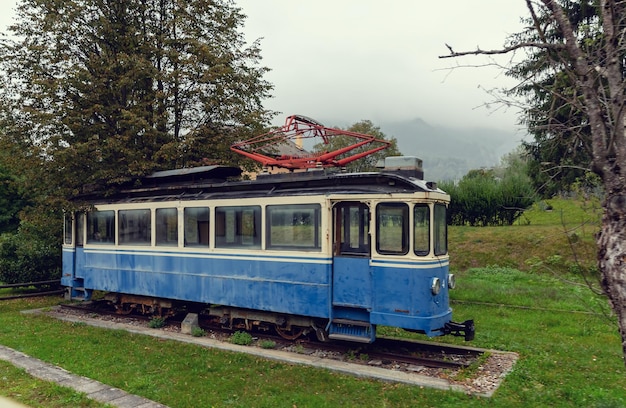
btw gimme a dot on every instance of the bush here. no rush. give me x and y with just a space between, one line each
483 198
268 344
156 322
241 338
197 332
27 257
33 252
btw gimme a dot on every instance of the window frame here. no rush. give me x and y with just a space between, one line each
440 229
292 210
162 218
200 231
427 218
344 227
143 229
68 228
404 247
231 229
108 217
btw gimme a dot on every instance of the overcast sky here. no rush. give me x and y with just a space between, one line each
341 61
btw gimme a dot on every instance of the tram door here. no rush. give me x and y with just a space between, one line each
351 255
79 240
73 238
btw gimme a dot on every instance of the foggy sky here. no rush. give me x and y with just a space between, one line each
343 61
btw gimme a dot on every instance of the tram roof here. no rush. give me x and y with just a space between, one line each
217 182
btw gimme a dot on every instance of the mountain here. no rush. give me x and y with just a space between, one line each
449 153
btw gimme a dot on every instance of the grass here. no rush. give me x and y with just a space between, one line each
18 385
570 353
541 240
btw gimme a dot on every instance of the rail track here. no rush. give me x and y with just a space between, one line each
41 288
392 353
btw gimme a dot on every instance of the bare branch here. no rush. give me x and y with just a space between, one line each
504 50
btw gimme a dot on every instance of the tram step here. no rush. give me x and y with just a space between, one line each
351 322
345 337
80 293
352 330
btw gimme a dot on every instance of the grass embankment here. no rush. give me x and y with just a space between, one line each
553 241
570 353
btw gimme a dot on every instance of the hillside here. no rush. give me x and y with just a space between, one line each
449 152
559 241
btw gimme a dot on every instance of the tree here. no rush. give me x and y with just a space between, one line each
561 151
94 93
11 201
106 90
591 56
367 163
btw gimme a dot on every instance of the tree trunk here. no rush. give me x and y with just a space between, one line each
611 243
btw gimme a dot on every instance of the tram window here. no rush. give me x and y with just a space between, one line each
166 220
440 230
352 229
294 227
80 228
67 228
197 227
238 227
392 229
421 229
134 227
101 227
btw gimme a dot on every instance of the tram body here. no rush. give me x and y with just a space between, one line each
337 253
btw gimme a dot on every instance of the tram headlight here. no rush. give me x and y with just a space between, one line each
451 281
435 286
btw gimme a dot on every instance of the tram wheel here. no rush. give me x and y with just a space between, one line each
124 309
289 334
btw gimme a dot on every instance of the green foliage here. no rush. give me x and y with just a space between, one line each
144 86
33 252
30 254
490 197
156 322
268 344
241 338
367 163
95 93
561 151
11 201
197 332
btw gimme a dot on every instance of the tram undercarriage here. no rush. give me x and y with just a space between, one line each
289 327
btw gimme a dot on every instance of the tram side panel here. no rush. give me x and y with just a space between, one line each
293 285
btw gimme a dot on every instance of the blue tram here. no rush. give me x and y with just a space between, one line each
332 253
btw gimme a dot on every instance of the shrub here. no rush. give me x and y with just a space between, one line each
197 332
156 322
241 338
484 198
28 258
268 344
